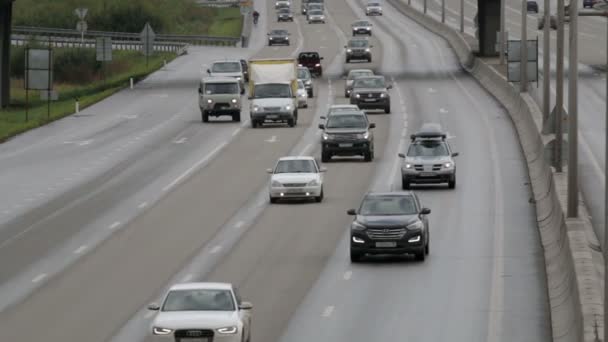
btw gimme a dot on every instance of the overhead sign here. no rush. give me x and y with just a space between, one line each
147 36
103 47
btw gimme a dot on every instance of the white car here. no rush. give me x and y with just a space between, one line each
302 95
373 8
296 177
202 312
316 16
228 68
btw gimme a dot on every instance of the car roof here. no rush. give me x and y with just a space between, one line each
201 286
389 194
342 106
220 79
349 112
361 70
227 61
358 22
279 30
371 76
296 158
429 130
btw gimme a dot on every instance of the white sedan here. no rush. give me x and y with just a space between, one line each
296 177
202 312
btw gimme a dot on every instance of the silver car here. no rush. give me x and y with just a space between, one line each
373 8
316 16
429 159
228 68
296 177
202 312
302 95
350 78
306 77
362 27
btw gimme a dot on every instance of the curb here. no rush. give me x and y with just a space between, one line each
572 261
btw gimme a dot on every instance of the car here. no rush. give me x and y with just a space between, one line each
389 223
278 37
373 8
219 96
347 133
361 27
202 312
316 6
315 16
228 68
306 77
245 68
296 178
284 14
340 108
358 49
371 92
282 4
273 102
589 3
532 6
307 3
350 78
312 61
302 95
429 159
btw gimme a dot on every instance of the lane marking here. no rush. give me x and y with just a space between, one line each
328 311
143 205
348 275
188 277
236 131
432 91
305 149
215 249
114 225
239 224
80 249
39 278
195 166
180 141
443 110
272 140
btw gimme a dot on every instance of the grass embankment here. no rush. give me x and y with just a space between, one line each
165 16
81 79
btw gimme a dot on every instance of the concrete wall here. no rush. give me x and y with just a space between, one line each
574 284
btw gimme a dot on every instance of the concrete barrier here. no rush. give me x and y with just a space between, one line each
574 285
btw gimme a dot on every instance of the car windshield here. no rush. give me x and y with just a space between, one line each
361 23
296 166
373 4
199 300
226 67
278 32
347 121
428 149
272 90
316 12
308 58
388 205
221 88
303 74
358 43
368 83
355 74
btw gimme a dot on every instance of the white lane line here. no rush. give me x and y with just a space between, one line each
180 141
143 205
39 278
114 225
272 139
443 110
348 275
236 131
188 277
215 249
80 249
305 150
149 314
432 91
195 166
328 311
239 224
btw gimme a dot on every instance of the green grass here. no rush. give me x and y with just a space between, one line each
126 64
228 23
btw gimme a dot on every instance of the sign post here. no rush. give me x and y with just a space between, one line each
81 26
38 74
147 39
103 47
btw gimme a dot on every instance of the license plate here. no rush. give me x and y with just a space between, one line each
386 244
272 116
293 190
370 100
427 174
345 145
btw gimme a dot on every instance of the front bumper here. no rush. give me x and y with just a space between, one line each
285 19
272 116
221 108
359 55
434 177
316 20
373 12
373 103
295 192
276 41
302 102
216 338
346 148
362 31
400 246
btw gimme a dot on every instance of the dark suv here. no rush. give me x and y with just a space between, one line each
389 223
312 61
532 6
347 133
371 92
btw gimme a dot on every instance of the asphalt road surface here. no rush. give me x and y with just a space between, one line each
188 201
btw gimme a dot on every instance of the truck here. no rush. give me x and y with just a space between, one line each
273 85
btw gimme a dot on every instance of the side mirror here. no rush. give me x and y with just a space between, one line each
322 117
412 136
390 86
351 212
246 306
322 169
372 125
425 211
345 46
343 77
401 155
269 170
321 126
371 46
322 58
455 154
208 71
154 307
200 90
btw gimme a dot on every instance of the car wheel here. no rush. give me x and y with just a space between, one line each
325 157
368 156
291 122
236 117
452 183
387 109
273 200
420 256
369 60
355 257
312 93
254 123
405 184
205 116
347 60
319 198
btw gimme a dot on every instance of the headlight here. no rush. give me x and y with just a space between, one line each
414 239
270 38
408 166
357 95
367 50
318 64
349 50
161 331
368 28
383 95
326 136
313 182
276 184
287 38
288 107
363 135
308 82
358 226
209 101
233 100
256 108
238 78
448 165
228 330
415 226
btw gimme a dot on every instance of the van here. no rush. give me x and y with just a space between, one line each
220 96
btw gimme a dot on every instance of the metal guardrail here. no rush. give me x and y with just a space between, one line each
218 3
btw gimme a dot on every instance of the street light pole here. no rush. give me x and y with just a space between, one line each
573 114
547 62
503 42
559 92
462 16
425 6
606 206
523 67
443 11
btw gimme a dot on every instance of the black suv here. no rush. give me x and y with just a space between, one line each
371 92
312 61
532 6
347 133
389 223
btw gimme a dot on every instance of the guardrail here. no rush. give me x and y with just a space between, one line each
218 3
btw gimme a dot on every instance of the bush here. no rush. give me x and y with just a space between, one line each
75 65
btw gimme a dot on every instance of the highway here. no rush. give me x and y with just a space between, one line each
156 197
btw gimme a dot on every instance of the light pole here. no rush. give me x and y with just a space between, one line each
547 62
523 67
443 11
462 16
503 42
425 6
573 113
559 92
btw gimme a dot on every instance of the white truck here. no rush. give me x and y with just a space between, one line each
273 85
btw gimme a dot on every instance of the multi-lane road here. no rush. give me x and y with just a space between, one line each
104 210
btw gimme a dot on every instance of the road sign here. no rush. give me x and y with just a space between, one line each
82 26
103 46
81 13
38 65
147 36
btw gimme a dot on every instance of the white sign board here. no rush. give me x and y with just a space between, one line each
39 75
514 54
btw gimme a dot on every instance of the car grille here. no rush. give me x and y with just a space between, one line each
192 333
272 109
386 233
221 106
420 167
294 185
370 95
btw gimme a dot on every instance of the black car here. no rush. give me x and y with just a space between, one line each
284 14
347 133
371 92
588 3
389 223
532 6
312 61
278 37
